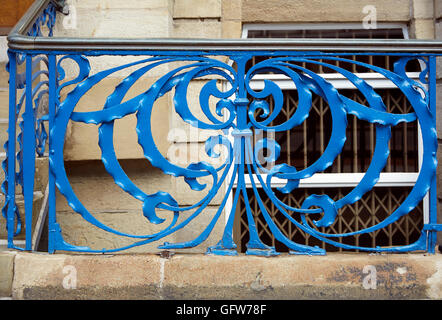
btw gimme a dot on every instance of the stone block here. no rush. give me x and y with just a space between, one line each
3 51
4 103
63 276
118 4
437 9
191 28
422 29
231 10
4 77
195 277
439 109
273 11
197 9
129 22
7 272
423 9
288 278
3 134
438 30
438 36
231 29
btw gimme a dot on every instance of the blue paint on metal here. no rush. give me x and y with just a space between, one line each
47 18
10 207
240 112
32 135
28 158
432 236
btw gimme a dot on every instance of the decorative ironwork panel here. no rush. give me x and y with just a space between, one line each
250 167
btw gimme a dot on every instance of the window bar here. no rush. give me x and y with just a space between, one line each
372 138
305 143
373 217
28 153
321 69
288 114
370 57
337 36
387 57
355 144
432 235
11 165
405 144
321 125
52 187
290 228
354 58
303 64
390 226
357 212
388 105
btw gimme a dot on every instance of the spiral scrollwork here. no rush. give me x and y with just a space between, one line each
239 112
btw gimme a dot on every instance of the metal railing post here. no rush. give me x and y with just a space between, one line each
10 197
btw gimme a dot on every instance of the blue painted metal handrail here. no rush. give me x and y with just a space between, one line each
238 125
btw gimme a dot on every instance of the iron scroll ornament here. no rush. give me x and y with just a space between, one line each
44 23
237 117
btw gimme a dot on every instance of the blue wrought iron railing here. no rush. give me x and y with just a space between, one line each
239 112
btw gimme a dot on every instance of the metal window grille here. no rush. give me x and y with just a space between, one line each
302 145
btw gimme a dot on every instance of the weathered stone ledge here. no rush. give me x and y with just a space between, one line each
196 276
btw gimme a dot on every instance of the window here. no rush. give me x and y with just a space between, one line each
302 145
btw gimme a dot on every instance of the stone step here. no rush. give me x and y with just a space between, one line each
4 103
40 175
38 201
199 277
4 75
4 244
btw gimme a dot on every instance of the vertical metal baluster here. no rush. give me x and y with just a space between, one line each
304 131
373 217
372 138
432 235
11 146
390 210
354 58
341 218
52 109
405 130
29 145
355 144
321 125
370 57
388 105
357 211
287 133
